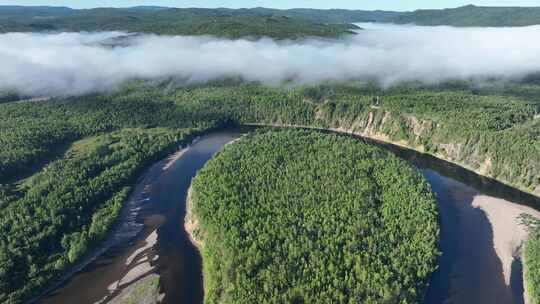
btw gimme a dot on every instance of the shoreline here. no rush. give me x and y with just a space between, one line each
169 162
138 263
501 213
509 234
126 224
191 222
192 228
144 235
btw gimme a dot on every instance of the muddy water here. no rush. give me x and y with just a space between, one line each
469 269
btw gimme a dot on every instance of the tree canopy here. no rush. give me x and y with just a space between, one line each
308 217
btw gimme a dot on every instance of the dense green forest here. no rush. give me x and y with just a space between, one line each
493 130
465 124
308 217
59 196
31 133
292 23
531 261
66 165
52 218
315 15
329 15
218 22
472 15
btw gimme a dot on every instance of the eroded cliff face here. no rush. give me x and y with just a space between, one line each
427 136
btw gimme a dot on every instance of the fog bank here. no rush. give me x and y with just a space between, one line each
73 63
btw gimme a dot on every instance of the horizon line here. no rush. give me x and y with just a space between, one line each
265 7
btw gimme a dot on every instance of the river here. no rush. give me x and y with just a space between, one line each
469 268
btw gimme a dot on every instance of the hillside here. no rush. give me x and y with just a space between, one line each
471 15
151 18
301 21
314 15
331 15
217 22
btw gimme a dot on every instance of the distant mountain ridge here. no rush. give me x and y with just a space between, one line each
223 22
26 18
315 15
14 11
472 15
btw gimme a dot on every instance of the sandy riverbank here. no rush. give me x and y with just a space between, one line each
508 233
145 291
173 158
191 223
139 263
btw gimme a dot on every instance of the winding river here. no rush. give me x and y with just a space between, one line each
470 270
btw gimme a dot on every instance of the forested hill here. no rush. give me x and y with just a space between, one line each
332 15
314 15
471 15
169 21
292 23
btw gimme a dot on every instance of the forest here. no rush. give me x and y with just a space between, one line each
531 260
67 164
471 15
217 22
464 122
308 217
52 218
290 24
497 123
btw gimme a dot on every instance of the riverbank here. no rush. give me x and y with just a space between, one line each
145 291
509 234
191 222
193 228
136 262
141 262
174 157
140 283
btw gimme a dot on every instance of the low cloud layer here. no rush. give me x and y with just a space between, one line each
73 63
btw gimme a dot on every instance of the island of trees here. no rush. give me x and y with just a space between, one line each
308 217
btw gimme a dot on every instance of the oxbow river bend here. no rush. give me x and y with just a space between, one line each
151 231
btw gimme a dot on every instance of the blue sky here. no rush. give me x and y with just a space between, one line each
350 4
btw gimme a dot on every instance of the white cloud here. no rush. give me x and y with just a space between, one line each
72 63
